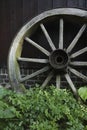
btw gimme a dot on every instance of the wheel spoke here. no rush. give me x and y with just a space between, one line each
77 73
35 74
61 34
79 52
75 40
49 77
37 46
58 80
47 37
70 83
78 63
33 60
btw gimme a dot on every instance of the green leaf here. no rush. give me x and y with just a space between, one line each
83 93
3 105
3 92
7 113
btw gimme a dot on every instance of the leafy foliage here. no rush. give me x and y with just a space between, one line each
37 109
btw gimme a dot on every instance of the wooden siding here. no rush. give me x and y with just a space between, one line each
14 13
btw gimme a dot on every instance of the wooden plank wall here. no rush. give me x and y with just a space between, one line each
14 13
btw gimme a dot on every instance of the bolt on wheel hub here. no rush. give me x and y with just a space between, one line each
59 59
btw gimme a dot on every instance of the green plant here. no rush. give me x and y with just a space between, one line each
38 109
83 93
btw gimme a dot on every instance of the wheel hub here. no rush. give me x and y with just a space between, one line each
59 59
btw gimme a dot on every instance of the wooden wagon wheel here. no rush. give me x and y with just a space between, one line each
60 60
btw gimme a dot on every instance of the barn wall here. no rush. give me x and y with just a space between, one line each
15 13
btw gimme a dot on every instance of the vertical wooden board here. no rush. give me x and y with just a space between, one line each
72 3
85 4
15 8
81 4
59 3
4 30
44 5
30 8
